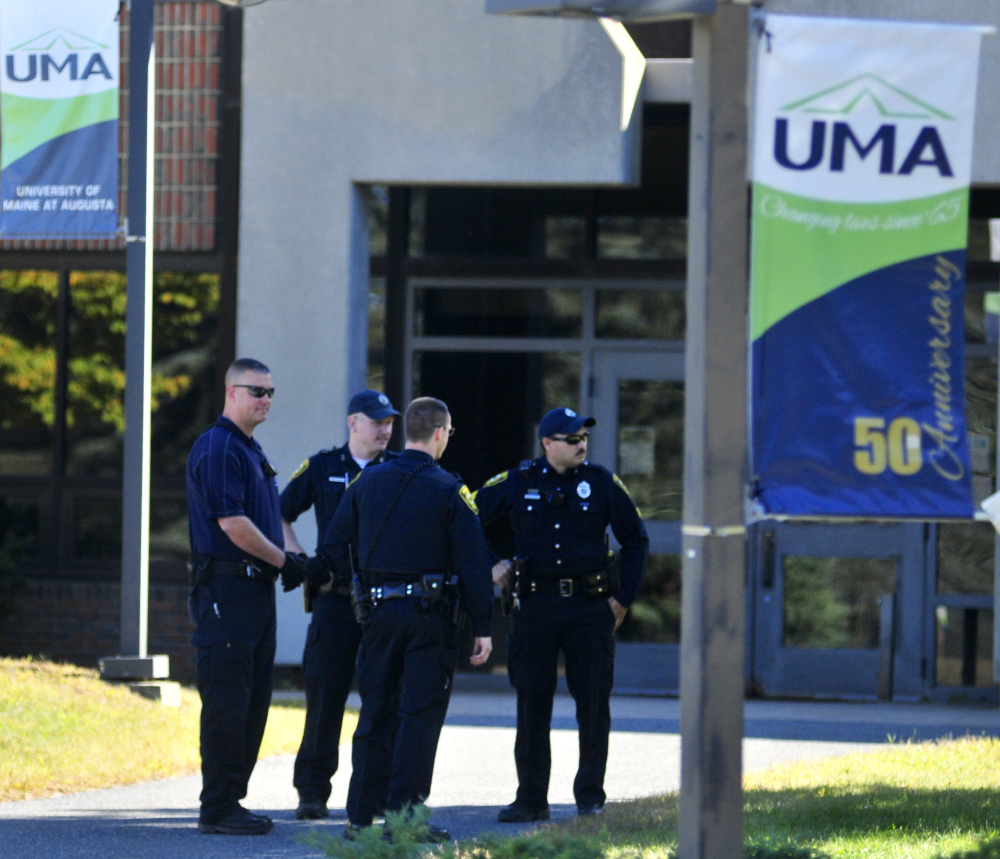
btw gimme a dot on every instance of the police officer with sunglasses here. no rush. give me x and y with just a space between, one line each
569 595
237 554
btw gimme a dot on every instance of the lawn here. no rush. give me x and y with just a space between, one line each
62 729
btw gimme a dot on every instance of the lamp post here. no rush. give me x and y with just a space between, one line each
133 663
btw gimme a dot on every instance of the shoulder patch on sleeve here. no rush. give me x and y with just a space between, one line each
496 478
466 496
621 485
300 469
624 488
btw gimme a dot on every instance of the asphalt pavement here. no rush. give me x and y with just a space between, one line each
474 775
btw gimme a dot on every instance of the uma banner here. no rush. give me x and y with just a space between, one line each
861 164
59 118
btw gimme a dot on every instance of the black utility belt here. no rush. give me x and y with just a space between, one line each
240 569
386 586
396 590
589 585
341 588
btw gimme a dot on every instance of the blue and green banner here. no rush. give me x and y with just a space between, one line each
862 154
59 73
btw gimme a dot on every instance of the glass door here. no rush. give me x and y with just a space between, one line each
837 610
638 401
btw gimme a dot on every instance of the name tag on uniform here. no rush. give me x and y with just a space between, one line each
532 495
334 479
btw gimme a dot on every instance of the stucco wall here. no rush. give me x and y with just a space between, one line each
389 91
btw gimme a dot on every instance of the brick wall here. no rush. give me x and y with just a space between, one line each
78 622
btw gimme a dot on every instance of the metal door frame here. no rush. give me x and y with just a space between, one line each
896 670
641 668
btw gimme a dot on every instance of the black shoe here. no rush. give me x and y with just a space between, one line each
240 822
263 817
351 832
518 812
590 809
311 809
434 835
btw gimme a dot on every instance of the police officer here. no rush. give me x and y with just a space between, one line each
415 527
237 552
333 636
569 599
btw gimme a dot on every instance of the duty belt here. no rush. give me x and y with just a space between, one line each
399 584
564 587
241 569
341 588
396 590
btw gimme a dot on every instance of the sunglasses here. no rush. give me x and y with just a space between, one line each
257 392
451 430
573 439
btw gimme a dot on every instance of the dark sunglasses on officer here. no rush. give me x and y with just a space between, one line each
572 440
257 391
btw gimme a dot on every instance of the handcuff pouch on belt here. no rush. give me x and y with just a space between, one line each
199 569
596 585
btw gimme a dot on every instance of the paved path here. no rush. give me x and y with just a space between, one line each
473 777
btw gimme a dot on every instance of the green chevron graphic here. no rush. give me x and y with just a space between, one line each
889 100
70 39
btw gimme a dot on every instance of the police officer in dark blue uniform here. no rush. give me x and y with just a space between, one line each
416 528
570 597
333 636
236 554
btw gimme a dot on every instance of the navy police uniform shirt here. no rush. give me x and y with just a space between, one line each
434 528
559 521
320 482
226 477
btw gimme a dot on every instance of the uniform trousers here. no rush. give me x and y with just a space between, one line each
328 665
583 629
406 663
235 640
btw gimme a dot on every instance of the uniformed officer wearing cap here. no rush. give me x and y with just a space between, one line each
414 525
560 506
333 636
236 555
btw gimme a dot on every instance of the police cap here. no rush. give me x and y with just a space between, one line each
564 421
374 404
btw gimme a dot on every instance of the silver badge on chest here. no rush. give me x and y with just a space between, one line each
583 489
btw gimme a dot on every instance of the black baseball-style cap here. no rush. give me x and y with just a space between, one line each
564 421
374 404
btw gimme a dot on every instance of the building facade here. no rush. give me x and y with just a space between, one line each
491 210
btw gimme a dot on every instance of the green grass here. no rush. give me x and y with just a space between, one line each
62 729
908 801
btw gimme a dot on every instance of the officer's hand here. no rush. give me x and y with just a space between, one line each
317 571
501 573
481 651
618 610
293 572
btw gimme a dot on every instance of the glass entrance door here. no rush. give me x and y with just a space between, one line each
837 610
638 401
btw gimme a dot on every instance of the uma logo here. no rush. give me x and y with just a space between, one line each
35 58
899 108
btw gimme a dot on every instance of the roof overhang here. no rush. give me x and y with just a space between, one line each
622 10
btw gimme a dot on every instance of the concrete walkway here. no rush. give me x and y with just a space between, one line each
474 775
